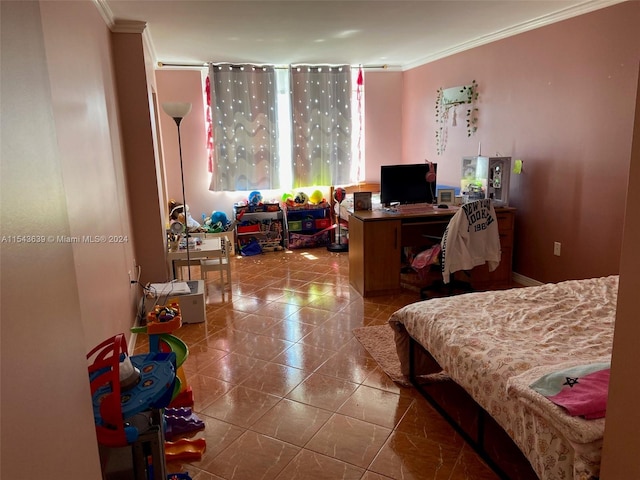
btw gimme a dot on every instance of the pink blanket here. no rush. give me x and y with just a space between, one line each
581 391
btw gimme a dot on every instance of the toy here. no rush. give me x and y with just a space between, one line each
219 217
216 223
160 340
180 421
301 197
112 404
184 449
176 214
316 197
255 198
163 319
179 476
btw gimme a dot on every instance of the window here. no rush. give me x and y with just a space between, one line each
284 127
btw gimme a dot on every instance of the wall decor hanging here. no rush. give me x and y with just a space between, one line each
447 101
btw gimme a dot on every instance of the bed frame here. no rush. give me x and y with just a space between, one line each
469 419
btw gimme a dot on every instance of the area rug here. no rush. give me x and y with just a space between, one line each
379 341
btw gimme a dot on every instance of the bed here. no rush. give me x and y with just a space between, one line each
496 344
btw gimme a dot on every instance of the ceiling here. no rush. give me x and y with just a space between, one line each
397 34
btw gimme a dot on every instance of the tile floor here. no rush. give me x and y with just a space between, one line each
287 392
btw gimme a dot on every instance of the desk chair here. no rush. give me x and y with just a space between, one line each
220 263
470 239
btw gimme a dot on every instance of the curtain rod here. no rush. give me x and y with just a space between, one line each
203 65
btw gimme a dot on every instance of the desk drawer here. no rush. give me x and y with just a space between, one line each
505 228
505 221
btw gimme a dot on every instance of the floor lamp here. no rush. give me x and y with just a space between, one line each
178 111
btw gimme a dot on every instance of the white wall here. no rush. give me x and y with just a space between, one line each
47 422
88 140
621 439
63 175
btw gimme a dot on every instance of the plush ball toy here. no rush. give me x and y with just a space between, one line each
286 196
255 197
219 217
316 197
301 197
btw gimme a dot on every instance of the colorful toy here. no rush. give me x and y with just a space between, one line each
160 340
219 217
163 319
185 450
301 197
179 476
316 197
150 381
178 419
255 198
181 421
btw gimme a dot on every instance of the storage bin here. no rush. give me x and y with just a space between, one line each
295 225
249 228
323 223
308 224
299 240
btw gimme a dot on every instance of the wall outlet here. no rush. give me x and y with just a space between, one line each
556 248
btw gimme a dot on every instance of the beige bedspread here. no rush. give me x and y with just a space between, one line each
494 344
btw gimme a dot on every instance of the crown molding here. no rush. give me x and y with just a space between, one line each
128 26
564 14
117 25
105 12
147 42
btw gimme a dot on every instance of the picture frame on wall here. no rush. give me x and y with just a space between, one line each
362 200
446 196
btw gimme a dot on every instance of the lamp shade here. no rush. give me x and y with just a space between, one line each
176 109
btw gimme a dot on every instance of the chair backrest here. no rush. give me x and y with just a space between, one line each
471 239
218 259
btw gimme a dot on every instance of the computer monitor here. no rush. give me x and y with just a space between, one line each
407 183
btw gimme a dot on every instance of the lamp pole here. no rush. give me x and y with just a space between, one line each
178 111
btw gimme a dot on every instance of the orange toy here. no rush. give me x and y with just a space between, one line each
185 449
164 319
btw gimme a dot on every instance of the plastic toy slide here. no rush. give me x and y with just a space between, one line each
185 449
176 346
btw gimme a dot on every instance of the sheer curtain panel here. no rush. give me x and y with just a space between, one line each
321 111
245 128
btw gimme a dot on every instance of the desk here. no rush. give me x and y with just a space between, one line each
377 237
204 250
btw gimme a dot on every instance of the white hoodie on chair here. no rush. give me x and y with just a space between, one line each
471 239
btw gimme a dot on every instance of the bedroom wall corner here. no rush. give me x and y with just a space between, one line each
182 85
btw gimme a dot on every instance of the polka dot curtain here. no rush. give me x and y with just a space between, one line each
321 110
245 128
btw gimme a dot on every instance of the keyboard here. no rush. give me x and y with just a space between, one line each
415 208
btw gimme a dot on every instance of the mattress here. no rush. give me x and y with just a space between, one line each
495 344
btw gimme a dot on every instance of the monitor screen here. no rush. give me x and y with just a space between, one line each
406 184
